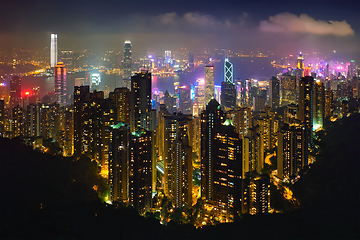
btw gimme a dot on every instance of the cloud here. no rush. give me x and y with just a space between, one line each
288 23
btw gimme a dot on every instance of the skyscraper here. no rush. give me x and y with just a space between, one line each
306 89
228 71
15 91
127 64
209 83
228 95
140 170
140 100
121 99
119 153
53 50
185 103
167 57
81 95
177 130
211 119
287 90
191 59
60 84
227 172
274 98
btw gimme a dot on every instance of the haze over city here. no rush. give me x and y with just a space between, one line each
179 120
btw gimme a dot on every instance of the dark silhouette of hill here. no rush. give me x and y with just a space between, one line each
47 197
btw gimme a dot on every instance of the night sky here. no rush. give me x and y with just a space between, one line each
250 25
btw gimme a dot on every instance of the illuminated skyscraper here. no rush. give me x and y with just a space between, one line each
287 90
191 59
209 83
228 71
127 64
228 95
167 57
53 50
119 154
300 66
290 150
60 84
81 95
227 172
185 102
121 99
15 91
140 100
95 82
178 133
199 100
319 105
274 91
306 94
140 170
211 120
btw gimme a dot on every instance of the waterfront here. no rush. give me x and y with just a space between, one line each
257 68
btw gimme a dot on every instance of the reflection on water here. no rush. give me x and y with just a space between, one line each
257 68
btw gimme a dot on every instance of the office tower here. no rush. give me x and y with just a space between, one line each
81 96
119 155
319 105
352 70
15 91
191 59
178 133
140 170
274 90
290 151
121 99
169 101
95 82
306 93
258 103
211 119
60 84
242 120
217 93
127 64
185 102
228 95
167 57
199 99
287 90
300 66
328 103
256 194
53 50
140 100
209 83
226 172
228 71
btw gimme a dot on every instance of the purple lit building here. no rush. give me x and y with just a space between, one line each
60 84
